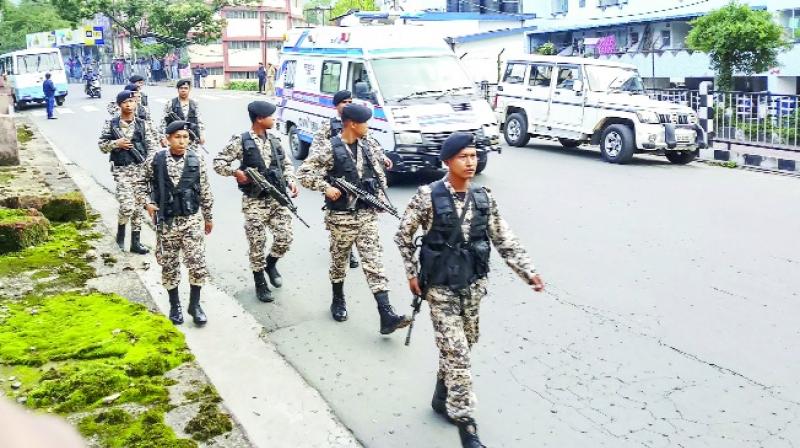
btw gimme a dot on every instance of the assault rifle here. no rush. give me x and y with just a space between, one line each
134 152
416 304
263 184
355 193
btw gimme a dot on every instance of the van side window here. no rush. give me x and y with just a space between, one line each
541 75
515 73
331 76
288 74
567 75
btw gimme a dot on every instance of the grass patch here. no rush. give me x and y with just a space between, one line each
209 422
21 228
118 429
24 134
61 255
87 347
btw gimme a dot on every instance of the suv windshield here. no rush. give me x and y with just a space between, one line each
613 79
38 63
408 77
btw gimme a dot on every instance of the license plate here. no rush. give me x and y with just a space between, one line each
684 137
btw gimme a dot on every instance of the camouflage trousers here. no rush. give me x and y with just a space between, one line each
260 215
359 228
131 201
185 234
455 326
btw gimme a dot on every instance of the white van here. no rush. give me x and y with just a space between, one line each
416 87
580 100
24 71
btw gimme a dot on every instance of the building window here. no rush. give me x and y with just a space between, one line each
244 45
214 71
244 75
666 39
604 3
331 76
241 14
276 44
560 6
582 3
540 76
515 73
275 16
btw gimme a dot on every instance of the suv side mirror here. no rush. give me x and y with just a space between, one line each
577 86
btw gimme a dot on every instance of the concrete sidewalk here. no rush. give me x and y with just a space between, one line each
753 156
272 402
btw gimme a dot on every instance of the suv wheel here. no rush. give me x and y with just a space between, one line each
299 148
569 143
681 157
616 144
516 130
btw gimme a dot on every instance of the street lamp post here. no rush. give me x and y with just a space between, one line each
266 42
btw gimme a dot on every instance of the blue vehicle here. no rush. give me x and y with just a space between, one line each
24 71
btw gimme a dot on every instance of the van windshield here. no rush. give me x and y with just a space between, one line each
613 79
37 63
406 77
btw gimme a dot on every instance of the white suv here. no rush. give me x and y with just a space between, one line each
577 100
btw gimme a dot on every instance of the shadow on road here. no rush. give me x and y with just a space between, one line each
589 152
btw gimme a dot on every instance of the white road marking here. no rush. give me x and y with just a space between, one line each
64 110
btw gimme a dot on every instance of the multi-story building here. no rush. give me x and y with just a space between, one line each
252 34
652 36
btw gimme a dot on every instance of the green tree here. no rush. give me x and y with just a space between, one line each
342 6
737 39
175 22
29 16
316 17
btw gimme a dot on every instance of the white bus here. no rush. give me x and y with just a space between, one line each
415 85
24 71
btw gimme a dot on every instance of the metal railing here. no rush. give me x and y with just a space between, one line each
747 118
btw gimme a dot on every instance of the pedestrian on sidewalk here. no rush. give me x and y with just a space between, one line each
197 73
49 95
260 150
128 140
357 159
179 200
262 77
459 221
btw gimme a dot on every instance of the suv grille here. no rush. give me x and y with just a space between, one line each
674 118
461 107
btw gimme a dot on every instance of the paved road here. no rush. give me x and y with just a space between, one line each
670 318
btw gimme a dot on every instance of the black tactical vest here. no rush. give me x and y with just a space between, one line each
251 157
446 259
124 157
344 165
336 126
180 200
191 119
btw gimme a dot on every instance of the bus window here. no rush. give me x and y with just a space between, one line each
37 63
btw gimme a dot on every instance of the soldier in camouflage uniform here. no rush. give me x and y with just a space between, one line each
180 196
128 140
332 128
358 160
459 221
262 151
185 109
142 111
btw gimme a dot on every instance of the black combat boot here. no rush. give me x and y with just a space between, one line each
262 290
121 236
136 245
389 320
175 310
338 305
468 431
353 260
194 309
274 276
439 400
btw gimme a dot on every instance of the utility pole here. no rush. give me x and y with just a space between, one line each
266 42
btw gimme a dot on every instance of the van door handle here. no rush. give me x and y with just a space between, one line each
557 92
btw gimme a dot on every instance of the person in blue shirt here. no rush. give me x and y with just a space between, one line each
262 77
49 95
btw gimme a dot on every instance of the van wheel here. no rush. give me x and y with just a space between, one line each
481 165
569 143
681 157
299 148
516 130
18 105
616 144
60 101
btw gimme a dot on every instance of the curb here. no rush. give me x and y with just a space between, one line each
271 401
767 163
